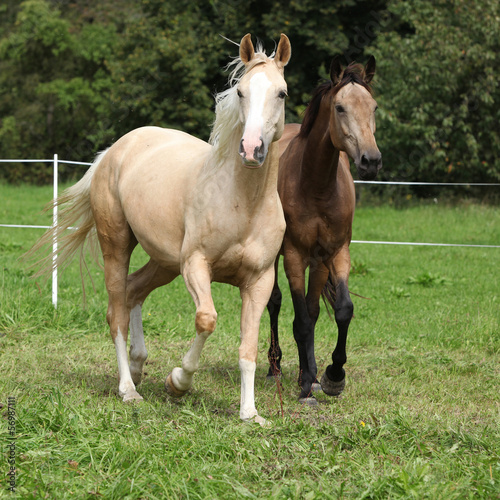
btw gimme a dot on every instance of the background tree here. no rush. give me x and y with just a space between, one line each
53 86
76 76
438 90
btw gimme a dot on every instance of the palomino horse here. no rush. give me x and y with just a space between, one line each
208 212
317 192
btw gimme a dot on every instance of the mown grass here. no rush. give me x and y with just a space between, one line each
419 417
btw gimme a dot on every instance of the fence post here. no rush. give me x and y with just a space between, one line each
54 243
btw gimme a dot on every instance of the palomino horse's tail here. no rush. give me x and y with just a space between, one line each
75 226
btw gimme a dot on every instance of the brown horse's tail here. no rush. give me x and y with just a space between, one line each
75 227
328 295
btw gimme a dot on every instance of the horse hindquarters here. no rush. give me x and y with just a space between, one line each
117 242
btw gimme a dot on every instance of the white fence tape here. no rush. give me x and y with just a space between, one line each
55 161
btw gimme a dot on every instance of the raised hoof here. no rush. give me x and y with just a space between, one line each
136 379
171 389
309 401
132 396
332 388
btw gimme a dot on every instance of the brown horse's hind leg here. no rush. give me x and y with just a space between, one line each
273 307
333 380
139 285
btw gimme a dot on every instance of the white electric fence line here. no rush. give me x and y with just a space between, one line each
409 243
55 161
412 183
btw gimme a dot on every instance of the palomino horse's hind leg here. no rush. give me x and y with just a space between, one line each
273 306
333 380
197 278
139 285
116 252
254 299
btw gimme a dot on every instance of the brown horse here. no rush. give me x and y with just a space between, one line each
210 212
317 192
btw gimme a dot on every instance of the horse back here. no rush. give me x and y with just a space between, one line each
143 182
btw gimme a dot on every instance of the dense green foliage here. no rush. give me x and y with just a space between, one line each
438 80
76 76
418 418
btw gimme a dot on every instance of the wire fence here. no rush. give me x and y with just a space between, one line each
56 162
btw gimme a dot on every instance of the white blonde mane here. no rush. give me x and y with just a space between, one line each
226 123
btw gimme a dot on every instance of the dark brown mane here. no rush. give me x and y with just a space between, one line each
352 74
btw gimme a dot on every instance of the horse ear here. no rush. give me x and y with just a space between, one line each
369 71
246 49
336 70
283 52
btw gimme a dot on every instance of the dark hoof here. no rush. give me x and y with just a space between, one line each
332 388
171 389
309 401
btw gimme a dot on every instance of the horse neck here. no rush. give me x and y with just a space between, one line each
321 159
256 186
248 187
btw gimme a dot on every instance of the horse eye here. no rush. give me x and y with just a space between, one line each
339 108
376 107
240 95
282 94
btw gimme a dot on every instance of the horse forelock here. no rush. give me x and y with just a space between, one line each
351 74
225 125
354 73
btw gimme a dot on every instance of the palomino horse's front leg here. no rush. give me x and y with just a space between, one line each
197 277
333 380
254 300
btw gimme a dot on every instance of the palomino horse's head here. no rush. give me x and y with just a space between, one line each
261 92
352 118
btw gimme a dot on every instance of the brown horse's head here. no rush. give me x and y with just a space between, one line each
352 116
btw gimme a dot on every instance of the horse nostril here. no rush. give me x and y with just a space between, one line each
371 161
241 151
260 151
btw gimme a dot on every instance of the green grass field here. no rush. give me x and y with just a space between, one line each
419 417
